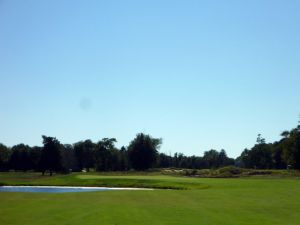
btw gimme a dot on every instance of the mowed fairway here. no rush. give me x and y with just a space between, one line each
251 201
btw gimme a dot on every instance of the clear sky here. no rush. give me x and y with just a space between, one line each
199 74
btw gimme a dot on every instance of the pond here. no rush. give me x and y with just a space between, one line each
58 189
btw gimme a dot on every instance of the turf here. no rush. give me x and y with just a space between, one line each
240 201
78 179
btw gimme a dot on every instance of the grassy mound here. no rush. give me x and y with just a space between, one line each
229 172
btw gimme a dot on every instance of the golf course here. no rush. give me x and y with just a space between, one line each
150 112
174 200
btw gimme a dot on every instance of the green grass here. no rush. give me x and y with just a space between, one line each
207 201
107 180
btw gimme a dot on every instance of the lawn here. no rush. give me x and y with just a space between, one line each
193 201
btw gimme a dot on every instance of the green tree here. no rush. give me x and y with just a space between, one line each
259 156
260 140
211 158
123 159
85 154
69 161
106 155
285 134
19 159
143 151
35 157
4 157
277 155
164 160
51 157
291 148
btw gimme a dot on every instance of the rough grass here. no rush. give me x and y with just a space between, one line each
239 201
230 172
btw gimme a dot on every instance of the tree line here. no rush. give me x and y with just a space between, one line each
281 154
142 153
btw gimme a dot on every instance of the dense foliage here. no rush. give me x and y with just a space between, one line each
281 154
142 153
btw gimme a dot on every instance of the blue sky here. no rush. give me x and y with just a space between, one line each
199 74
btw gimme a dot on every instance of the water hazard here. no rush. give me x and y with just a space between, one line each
56 189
